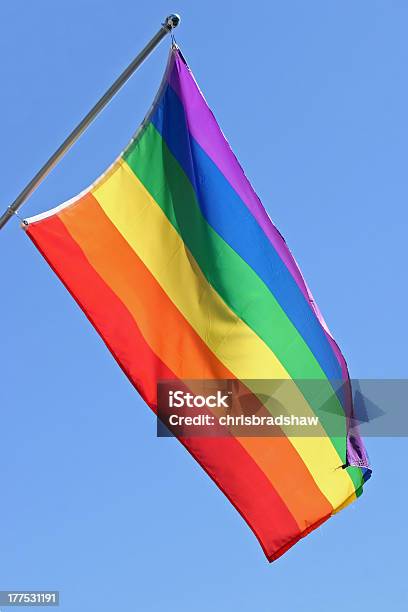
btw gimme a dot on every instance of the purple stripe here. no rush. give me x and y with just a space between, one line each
206 131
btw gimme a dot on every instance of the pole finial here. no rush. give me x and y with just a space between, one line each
172 21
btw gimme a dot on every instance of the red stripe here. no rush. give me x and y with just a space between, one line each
224 459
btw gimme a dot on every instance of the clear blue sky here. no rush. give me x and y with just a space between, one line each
313 99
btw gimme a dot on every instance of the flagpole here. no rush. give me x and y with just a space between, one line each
169 24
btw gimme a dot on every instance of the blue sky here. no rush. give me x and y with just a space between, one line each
312 97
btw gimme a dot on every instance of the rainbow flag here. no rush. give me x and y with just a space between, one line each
175 262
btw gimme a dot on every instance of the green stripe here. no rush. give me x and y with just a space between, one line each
356 475
235 281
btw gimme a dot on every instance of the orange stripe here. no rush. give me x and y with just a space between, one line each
173 339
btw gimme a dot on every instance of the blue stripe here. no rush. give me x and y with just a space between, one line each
224 210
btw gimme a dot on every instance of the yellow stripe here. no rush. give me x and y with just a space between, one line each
150 234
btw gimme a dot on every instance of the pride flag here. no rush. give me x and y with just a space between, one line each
175 262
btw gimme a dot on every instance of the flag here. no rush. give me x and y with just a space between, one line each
175 262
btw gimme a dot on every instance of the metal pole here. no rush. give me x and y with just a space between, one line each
170 22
